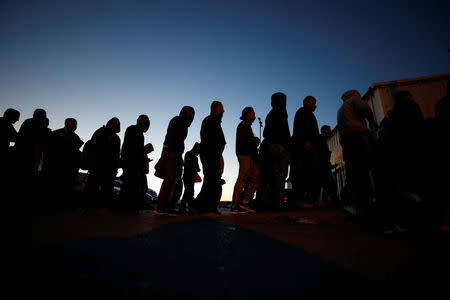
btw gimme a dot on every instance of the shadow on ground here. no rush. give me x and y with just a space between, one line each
202 259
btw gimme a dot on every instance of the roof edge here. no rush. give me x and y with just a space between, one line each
405 82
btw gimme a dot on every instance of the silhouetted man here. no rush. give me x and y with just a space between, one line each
438 164
191 169
171 162
400 154
304 173
212 146
134 162
274 152
247 152
29 154
62 164
327 182
30 142
356 147
104 162
8 134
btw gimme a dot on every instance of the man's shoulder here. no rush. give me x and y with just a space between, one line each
174 122
242 124
131 129
58 131
99 132
207 118
209 121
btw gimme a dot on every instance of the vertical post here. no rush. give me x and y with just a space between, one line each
260 126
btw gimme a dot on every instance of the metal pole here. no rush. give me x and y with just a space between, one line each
260 125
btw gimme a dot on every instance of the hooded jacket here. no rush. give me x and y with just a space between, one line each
277 127
353 113
177 131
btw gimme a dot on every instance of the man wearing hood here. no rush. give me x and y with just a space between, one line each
8 134
30 143
274 152
356 146
171 163
134 162
212 146
105 151
63 162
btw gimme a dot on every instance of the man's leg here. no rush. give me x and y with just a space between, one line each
253 181
241 181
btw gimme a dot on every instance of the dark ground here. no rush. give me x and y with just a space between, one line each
315 253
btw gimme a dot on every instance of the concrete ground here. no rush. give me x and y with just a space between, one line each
312 253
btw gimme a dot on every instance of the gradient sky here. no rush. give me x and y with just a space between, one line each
93 60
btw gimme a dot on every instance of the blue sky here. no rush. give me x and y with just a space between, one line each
93 60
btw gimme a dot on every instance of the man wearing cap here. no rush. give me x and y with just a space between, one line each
246 151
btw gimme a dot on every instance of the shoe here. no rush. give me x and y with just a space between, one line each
305 205
193 211
172 213
445 228
103 212
160 213
320 204
247 208
238 210
211 213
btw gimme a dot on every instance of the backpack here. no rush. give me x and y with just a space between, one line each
87 156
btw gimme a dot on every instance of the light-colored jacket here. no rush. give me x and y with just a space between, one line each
353 114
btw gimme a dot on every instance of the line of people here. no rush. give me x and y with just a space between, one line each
41 169
263 166
393 166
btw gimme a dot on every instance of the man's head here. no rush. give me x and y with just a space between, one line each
70 125
187 115
114 125
143 122
40 114
350 94
403 97
217 108
310 103
11 115
248 114
278 100
196 149
325 130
